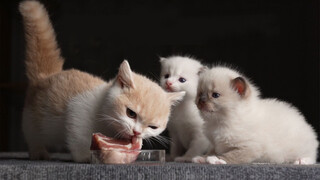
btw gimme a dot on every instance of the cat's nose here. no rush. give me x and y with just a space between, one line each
201 101
136 133
168 83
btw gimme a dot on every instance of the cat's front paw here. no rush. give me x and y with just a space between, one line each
303 161
183 159
215 160
199 159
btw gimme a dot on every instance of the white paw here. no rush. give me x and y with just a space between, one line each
199 159
303 161
215 160
182 159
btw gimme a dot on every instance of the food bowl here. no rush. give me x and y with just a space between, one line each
127 156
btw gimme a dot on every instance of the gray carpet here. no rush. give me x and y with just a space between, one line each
16 166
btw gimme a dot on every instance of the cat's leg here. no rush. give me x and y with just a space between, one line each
78 138
79 146
32 134
235 156
198 146
199 159
304 161
80 152
176 148
215 160
202 159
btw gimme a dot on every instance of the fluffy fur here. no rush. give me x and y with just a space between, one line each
245 128
185 125
64 107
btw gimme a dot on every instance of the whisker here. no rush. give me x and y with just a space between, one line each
119 134
165 139
162 141
149 142
112 120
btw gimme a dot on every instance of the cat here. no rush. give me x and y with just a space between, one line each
180 73
64 107
245 128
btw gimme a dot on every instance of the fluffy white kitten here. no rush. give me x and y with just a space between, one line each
185 125
245 128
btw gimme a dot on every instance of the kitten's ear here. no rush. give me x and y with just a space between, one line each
240 85
202 69
162 59
175 97
125 77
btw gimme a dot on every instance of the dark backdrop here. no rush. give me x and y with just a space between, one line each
276 43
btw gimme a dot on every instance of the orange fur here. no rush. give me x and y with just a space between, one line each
55 91
146 109
42 53
64 107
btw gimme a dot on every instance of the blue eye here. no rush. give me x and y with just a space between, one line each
182 80
215 95
166 76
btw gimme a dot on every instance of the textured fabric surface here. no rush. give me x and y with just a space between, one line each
21 168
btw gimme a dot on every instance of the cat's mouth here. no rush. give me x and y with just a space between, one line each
204 108
131 138
169 89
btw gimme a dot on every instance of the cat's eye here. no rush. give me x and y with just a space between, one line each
131 114
166 76
182 80
215 95
153 127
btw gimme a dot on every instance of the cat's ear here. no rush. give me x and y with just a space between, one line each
125 77
202 69
162 59
240 85
175 97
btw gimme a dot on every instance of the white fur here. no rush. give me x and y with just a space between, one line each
185 124
255 129
82 122
86 113
93 112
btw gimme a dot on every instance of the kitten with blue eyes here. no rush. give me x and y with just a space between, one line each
185 124
245 128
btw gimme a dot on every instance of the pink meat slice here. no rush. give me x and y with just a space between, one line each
115 151
102 142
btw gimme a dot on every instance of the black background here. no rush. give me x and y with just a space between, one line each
275 43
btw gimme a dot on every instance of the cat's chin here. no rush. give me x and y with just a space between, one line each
168 89
207 112
205 109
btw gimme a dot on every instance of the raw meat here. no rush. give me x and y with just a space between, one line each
115 151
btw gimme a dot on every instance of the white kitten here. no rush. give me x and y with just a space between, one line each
185 125
245 128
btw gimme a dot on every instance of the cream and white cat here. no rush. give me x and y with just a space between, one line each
64 107
245 128
185 125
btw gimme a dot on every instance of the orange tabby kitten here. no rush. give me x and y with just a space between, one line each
64 107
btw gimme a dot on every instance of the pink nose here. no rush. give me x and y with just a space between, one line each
136 133
168 83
